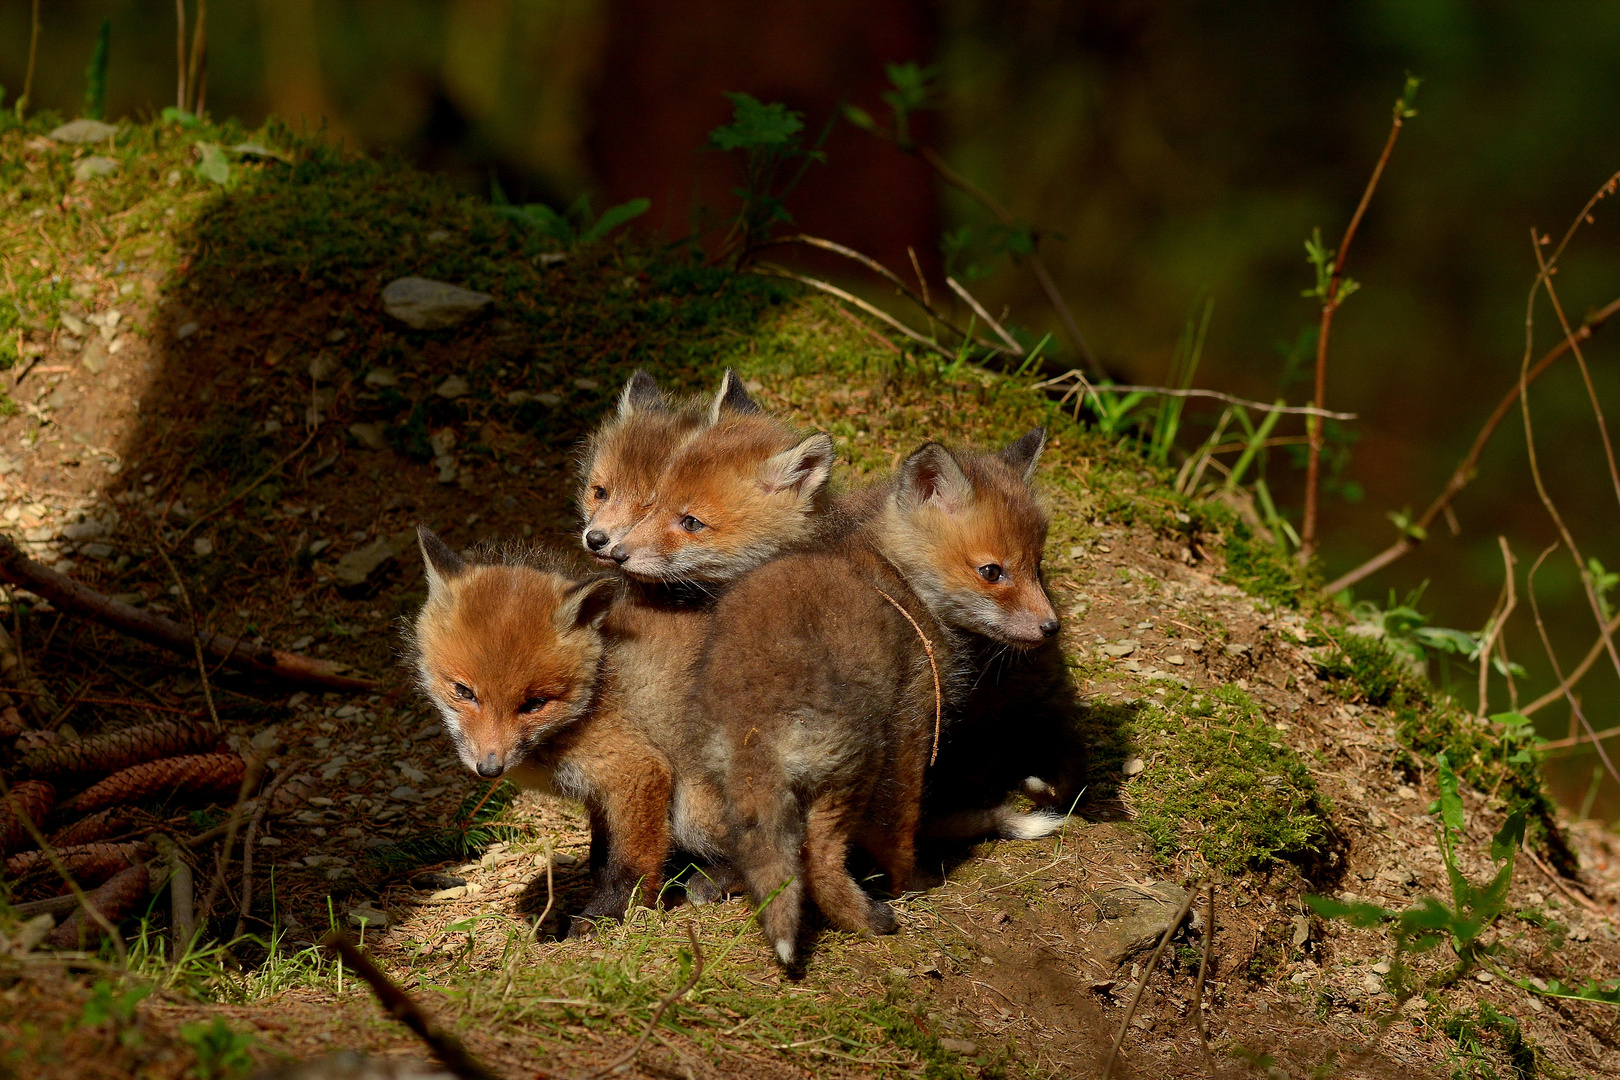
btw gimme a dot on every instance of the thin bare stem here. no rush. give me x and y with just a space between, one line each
1468 468
247 847
872 265
1198 987
1082 385
658 1014
978 309
28 79
61 869
1493 628
180 52
1330 305
196 633
199 41
1147 973
849 298
1547 502
928 647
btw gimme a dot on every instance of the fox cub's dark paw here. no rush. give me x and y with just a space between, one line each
712 884
882 918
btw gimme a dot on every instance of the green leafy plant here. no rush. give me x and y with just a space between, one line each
221 1052
1183 366
1463 922
107 1003
769 138
575 226
472 830
1603 582
95 76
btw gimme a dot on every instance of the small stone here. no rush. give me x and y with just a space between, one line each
446 464
369 435
91 167
324 366
564 858
455 892
454 387
549 400
423 304
1077 552
186 330
1195 646
358 565
959 1046
364 916
94 356
1484 976
518 397
83 131
1382 967
1120 649
202 546
1176 659
69 343
379 377
405 794
586 384
1302 929
437 236
1406 791
1133 766
336 336
1372 983
73 324
1237 649
96 551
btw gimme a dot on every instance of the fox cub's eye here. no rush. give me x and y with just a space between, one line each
465 692
692 524
598 492
532 705
991 573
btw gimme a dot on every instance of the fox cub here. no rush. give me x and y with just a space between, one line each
818 680
674 494
578 688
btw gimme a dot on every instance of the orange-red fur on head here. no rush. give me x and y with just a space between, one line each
508 653
624 459
733 496
967 531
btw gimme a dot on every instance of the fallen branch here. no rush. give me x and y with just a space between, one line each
68 595
658 1014
1198 987
1147 973
401 1007
1086 387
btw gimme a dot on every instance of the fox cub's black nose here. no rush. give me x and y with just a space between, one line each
595 539
1050 627
491 766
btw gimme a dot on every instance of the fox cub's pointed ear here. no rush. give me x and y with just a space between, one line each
732 397
1025 454
442 564
803 469
585 604
932 474
640 394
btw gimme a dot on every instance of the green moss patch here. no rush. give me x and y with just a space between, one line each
1220 781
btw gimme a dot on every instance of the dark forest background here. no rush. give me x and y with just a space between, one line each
1180 151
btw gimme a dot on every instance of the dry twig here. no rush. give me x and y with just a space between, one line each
71 596
259 811
1147 973
456 1057
1504 608
1198 987
1085 387
1330 306
771 270
658 1014
928 647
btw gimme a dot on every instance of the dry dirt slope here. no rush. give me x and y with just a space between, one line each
248 333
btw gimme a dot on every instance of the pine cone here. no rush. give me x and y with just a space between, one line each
90 865
11 723
97 827
194 777
36 797
115 750
117 898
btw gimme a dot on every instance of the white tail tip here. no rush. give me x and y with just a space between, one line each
784 952
1012 825
1001 821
